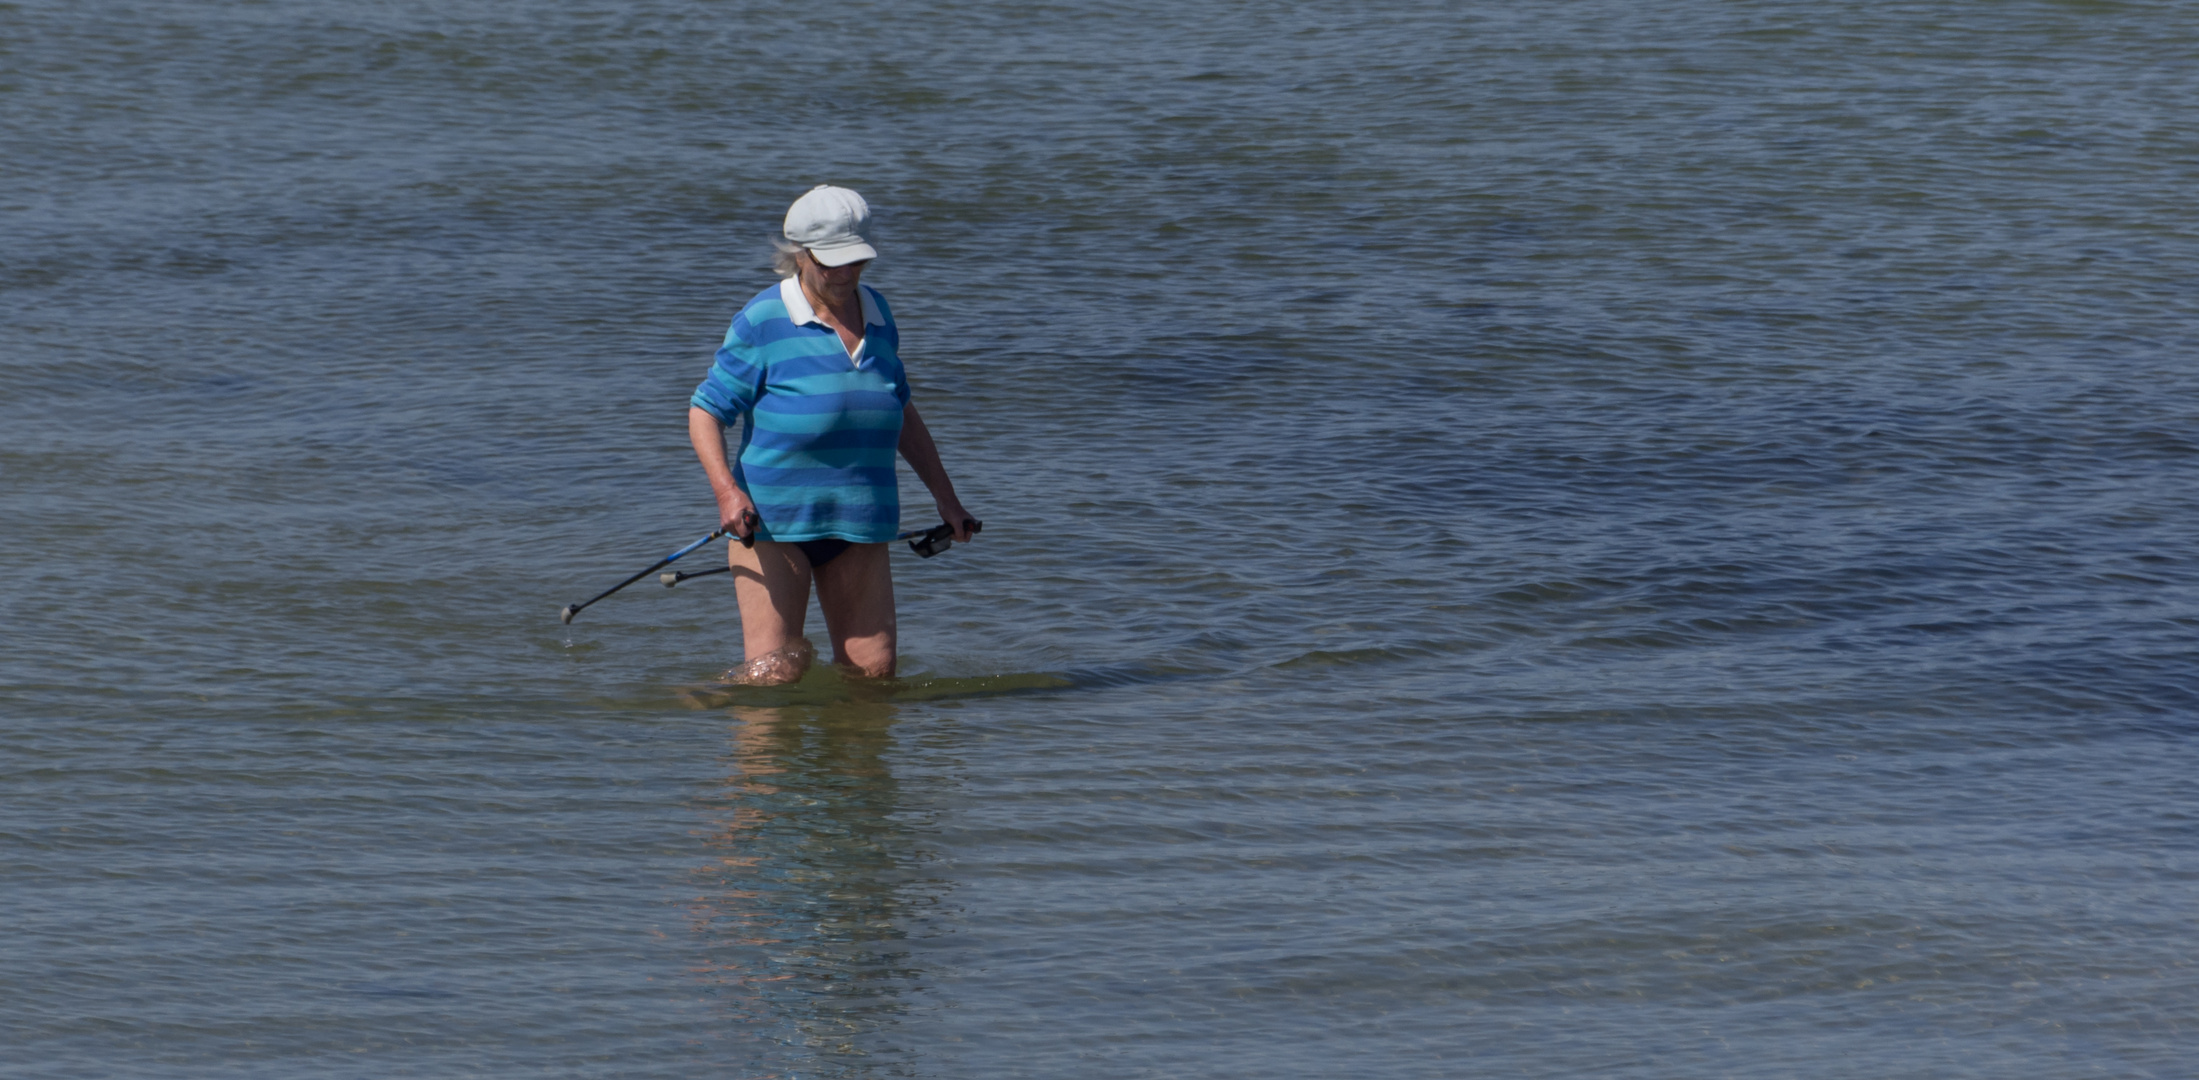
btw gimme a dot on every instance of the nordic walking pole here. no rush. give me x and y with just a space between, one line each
671 578
925 542
574 609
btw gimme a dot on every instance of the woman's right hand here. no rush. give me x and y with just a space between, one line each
737 515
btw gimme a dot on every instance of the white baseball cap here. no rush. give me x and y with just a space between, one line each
829 221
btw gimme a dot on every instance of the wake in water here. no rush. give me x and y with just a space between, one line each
778 667
828 684
788 677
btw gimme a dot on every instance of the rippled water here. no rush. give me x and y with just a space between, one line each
1649 540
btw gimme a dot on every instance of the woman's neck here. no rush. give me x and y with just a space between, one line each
847 310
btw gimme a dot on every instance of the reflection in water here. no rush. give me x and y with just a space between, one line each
804 914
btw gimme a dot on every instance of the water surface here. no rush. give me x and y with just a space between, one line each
1648 540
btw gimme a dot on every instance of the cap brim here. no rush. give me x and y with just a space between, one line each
844 254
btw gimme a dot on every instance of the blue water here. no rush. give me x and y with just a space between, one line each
1646 540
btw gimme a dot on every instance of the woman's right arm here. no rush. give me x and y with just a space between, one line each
735 512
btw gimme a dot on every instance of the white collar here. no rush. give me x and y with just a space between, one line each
798 309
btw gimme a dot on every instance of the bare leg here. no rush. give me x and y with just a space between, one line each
772 583
855 591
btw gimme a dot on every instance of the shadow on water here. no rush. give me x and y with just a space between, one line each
804 913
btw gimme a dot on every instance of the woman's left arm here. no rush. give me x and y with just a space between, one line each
923 456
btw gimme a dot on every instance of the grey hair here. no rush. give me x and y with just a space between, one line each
786 257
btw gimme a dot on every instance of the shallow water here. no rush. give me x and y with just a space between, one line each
1653 540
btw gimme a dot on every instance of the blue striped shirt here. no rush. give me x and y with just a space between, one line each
817 453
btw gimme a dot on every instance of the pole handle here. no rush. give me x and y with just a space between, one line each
929 542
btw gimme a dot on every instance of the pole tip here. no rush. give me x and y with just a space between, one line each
669 578
567 614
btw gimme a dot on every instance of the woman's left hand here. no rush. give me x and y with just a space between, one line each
951 512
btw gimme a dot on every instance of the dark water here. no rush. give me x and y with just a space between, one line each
1648 540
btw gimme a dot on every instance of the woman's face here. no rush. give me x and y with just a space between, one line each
832 282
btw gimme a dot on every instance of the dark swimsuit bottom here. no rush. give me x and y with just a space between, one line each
821 552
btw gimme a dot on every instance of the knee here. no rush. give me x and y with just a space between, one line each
777 667
872 669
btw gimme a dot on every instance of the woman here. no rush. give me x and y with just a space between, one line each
814 364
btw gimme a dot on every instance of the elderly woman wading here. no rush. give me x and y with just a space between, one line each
813 362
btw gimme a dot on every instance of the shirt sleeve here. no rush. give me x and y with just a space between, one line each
735 380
